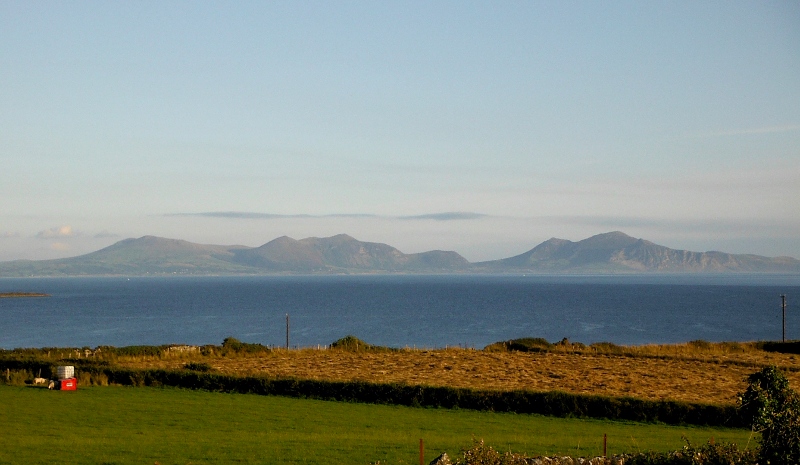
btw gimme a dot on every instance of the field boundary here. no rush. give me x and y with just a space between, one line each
551 403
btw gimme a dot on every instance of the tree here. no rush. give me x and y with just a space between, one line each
772 408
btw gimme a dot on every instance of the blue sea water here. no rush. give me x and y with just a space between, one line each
397 311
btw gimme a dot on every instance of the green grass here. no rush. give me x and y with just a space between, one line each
117 425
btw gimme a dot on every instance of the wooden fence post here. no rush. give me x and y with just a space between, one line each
421 452
605 445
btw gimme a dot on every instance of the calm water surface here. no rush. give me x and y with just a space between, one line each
398 311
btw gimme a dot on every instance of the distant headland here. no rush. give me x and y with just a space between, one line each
22 294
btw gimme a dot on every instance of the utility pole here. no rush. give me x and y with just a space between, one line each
287 331
783 305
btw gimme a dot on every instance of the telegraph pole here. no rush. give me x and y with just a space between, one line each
783 305
287 331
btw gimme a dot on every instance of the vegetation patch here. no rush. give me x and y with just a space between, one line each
22 294
198 366
233 346
353 344
784 347
133 426
710 453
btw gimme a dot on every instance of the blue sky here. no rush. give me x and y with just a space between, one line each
480 127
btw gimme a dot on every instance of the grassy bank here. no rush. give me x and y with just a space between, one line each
122 425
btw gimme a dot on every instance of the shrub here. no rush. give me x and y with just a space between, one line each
198 366
231 345
525 344
16 377
354 344
481 454
707 454
608 348
788 347
208 350
771 407
92 378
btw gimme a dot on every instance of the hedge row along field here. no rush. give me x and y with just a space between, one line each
545 403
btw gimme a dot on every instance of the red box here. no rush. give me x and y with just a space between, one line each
69 384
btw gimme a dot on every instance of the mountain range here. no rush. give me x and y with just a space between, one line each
612 252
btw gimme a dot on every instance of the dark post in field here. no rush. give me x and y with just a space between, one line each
783 305
605 445
421 452
287 331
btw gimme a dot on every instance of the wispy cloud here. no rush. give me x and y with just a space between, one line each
238 215
57 232
444 216
105 235
748 131
9 234
620 222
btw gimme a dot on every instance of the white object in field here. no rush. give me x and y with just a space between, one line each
65 372
39 381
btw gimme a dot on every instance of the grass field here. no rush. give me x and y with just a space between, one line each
121 425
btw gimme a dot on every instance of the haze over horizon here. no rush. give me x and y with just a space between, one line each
477 127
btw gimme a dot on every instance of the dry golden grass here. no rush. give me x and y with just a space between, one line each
678 372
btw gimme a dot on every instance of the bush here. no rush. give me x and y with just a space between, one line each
17 377
231 345
707 454
525 344
788 347
772 408
87 378
354 344
481 454
198 366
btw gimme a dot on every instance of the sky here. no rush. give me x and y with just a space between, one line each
480 127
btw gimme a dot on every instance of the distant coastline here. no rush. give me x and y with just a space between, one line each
608 253
22 294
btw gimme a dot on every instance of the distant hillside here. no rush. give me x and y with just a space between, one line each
613 252
618 252
156 255
343 253
135 257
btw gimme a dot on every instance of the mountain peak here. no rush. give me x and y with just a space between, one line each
610 238
611 252
617 252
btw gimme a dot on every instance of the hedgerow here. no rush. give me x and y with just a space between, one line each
553 403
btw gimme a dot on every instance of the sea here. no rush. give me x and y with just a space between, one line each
418 311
